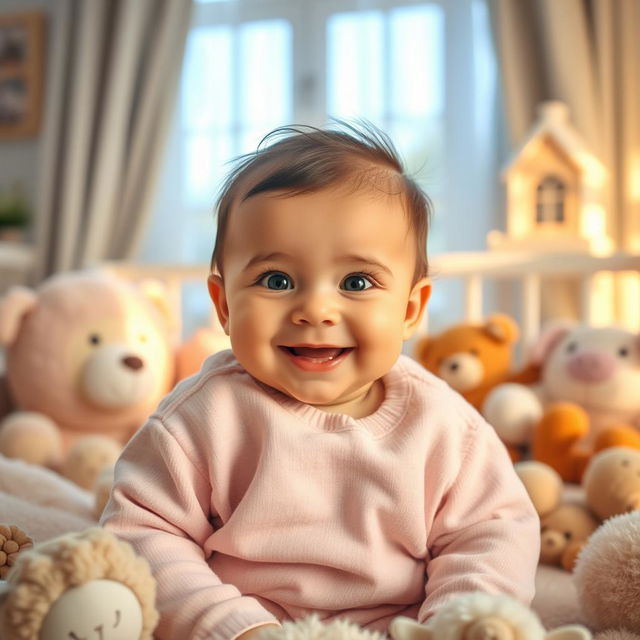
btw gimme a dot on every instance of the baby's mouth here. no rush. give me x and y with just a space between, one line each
318 354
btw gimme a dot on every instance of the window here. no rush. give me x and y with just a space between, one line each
422 71
550 199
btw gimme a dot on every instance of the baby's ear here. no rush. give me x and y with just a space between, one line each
402 628
416 305
217 293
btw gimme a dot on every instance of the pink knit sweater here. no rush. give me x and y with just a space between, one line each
251 506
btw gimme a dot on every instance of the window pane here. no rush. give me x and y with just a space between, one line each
265 72
204 166
355 64
417 56
207 78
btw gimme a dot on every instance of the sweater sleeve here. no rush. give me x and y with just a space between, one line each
486 534
161 505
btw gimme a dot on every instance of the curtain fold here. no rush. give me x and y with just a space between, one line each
111 90
585 53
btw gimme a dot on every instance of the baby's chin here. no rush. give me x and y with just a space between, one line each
356 403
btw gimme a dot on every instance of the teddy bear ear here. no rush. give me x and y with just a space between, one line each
158 294
13 307
569 632
402 628
501 328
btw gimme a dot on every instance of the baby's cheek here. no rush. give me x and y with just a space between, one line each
382 329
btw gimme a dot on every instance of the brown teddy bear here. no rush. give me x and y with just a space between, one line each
474 358
589 385
611 482
564 526
88 357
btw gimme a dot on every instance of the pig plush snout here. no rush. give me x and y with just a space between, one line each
591 366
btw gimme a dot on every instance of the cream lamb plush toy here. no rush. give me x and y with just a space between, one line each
88 357
482 616
81 585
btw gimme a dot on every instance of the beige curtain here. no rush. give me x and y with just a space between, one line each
111 89
585 53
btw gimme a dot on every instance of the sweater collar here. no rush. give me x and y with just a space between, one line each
397 399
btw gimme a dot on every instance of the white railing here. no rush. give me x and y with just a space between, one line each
474 268
528 269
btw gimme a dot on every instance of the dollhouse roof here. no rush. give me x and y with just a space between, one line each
553 122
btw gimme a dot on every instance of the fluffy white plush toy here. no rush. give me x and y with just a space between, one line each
481 616
607 578
312 628
472 616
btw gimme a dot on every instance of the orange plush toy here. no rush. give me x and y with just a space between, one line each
474 358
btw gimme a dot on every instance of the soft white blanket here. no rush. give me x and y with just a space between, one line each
41 502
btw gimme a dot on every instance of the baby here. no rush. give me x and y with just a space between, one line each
315 469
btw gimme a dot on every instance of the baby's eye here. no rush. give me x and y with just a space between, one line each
356 282
276 280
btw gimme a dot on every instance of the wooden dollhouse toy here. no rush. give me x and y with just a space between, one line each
555 191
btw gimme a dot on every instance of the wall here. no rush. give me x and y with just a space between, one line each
19 160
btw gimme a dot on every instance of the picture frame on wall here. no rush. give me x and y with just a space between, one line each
21 73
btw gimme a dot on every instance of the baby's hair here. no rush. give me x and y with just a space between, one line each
302 159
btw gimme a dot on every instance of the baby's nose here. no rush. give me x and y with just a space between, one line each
316 308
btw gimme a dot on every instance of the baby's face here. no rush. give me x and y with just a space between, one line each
317 296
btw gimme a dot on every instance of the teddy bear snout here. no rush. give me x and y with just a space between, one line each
591 366
552 544
113 377
461 371
133 362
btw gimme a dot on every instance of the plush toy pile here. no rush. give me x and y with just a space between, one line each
610 487
587 394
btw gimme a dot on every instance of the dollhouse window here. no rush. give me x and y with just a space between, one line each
550 199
